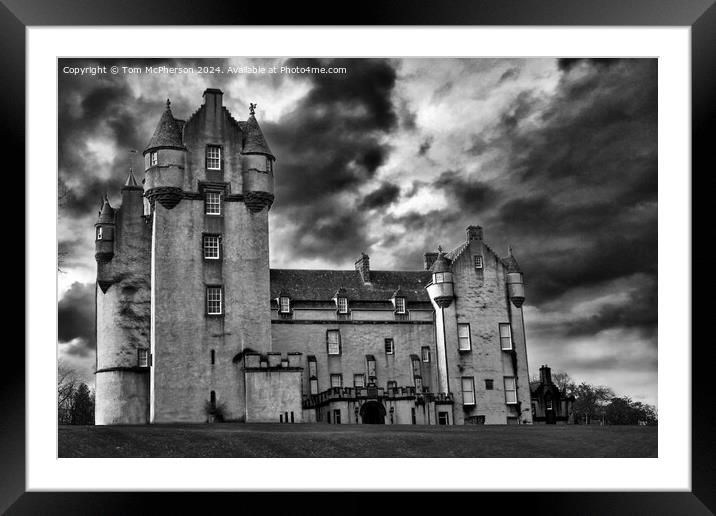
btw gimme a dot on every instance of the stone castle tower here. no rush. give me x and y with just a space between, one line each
192 323
183 268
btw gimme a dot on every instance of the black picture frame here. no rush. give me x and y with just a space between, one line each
700 15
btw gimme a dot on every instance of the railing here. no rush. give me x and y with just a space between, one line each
354 393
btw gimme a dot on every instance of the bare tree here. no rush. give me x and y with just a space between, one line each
67 383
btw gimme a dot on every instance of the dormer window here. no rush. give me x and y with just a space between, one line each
269 165
400 305
213 157
153 159
342 305
478 261
284 304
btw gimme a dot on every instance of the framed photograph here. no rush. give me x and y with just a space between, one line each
471 227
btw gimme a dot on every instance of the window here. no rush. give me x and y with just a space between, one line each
400 305
478 261
439 277
336 380
269 165
328 416
468 390
415 362
333 339
213 157
389 347
358 380
213 203
463 337
213 357
284 304
342 305
211 247
426 354
392 384
510 390
337 416
443 418
143 357
213 300
99 233
312 366
314 385
548 404
412 414
212 400
371 369
505 336
418 384
153 159
489 385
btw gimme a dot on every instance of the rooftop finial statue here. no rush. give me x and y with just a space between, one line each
252 108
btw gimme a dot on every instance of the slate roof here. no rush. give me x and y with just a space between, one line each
321 285
131 180
167 133
106 214
254 141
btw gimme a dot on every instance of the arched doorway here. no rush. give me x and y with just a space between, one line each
372 413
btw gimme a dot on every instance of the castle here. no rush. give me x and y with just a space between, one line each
194 326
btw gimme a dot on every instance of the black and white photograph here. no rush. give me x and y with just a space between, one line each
353 257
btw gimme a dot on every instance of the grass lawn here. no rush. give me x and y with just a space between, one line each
322 440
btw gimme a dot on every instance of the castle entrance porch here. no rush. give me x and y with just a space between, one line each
372 413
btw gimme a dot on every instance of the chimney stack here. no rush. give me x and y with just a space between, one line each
545 375
474 233
363 266
213 99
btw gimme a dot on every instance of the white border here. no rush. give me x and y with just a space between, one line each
670 471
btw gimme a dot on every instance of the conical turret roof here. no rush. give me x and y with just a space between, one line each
167 133
254 141
106 214
510 262
441 263
131 181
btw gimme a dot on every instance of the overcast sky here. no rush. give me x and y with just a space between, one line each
556 157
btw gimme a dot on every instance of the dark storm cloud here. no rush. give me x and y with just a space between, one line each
637 311
334 139
567 63
590 171
381 197
75 316
471 194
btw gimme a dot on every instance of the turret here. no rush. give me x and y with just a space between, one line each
164 161
440 289
258 165
515 280
104 243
